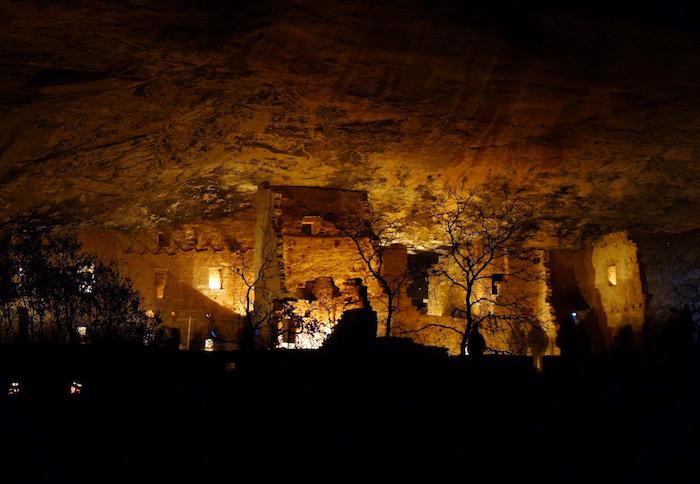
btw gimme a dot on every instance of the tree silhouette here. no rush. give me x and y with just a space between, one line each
52 291
253 280
374 235
486 243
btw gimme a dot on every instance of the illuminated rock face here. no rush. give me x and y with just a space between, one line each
602 284
133 114
616 281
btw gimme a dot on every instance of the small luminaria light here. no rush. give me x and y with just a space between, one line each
75 388
573 315
209 344
82 331
150 314
13 389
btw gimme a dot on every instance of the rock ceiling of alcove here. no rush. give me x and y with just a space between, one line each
133 114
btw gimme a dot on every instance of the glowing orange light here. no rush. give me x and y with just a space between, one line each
612 275
215 279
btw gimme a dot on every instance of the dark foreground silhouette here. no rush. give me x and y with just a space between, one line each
392 408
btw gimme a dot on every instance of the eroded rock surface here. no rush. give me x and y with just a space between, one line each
133 114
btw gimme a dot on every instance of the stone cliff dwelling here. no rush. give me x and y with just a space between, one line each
155 147
313 275
331 237
184 275
311 265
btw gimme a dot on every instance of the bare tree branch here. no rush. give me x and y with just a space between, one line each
486 239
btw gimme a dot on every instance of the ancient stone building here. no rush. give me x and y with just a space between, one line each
311 273
501 295
599 132
308 261
311 264
185 276
599 285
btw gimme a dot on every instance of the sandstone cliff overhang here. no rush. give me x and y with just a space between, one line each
136 114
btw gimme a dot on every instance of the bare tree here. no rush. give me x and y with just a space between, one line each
375 236
253 280
52 291
486 243
116 314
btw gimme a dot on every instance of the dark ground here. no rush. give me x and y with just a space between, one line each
158 416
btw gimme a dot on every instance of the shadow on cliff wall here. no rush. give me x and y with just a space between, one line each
227 323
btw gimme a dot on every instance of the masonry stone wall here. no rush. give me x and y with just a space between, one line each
608 293
303 226
184 269
525 298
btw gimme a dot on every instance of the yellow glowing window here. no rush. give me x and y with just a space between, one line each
612 275
160 285
215 279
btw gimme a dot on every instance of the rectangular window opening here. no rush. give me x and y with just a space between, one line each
160 285
215 279
612 275
311 225
495 279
